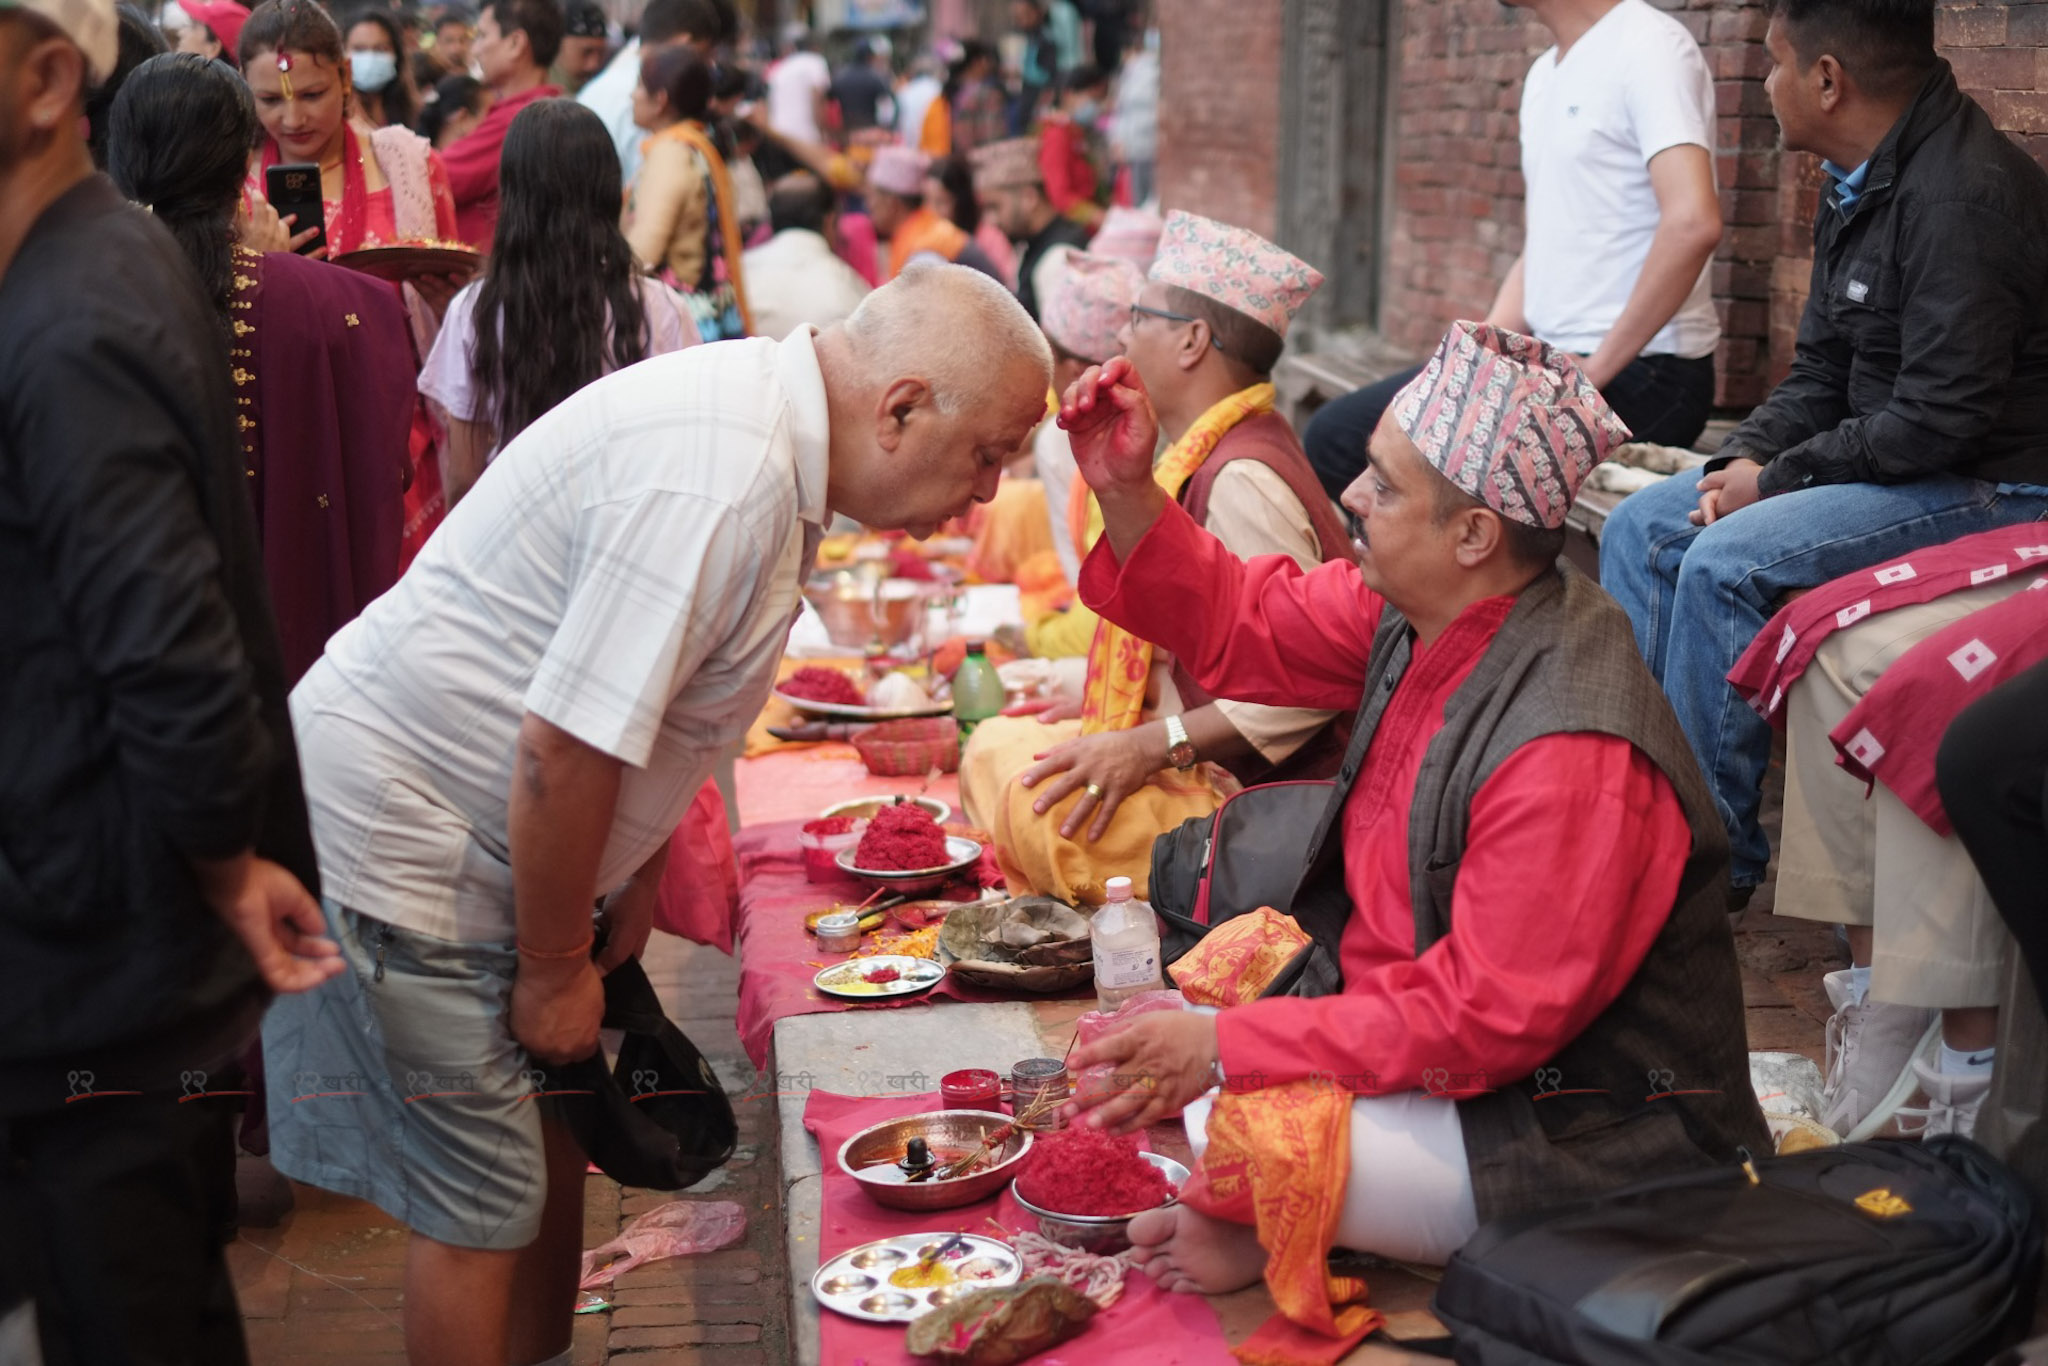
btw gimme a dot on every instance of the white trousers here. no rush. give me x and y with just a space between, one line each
1409 1196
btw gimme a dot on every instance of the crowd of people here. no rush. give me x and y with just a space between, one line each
368 624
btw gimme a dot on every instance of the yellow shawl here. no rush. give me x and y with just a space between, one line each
1120 664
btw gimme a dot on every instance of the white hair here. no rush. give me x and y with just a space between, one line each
954 326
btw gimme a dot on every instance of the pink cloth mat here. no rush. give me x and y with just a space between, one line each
1147 1324
778 956
796 784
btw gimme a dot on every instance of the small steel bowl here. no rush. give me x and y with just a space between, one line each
961 853
950 1131
1103 1235
864 808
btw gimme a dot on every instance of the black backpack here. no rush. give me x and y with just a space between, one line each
658 1118
1872 1254
1248 853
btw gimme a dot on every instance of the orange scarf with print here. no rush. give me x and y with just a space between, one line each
1279 1158
730 244
1120 664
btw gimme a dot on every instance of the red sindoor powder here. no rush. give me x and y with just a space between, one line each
1087 1171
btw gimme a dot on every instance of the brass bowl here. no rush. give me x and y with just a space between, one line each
950 1133
859 610
1104 1235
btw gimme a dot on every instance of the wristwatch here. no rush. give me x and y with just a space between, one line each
1180 751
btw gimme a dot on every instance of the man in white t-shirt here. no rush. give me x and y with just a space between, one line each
1622 218
609 94
516 728
797 86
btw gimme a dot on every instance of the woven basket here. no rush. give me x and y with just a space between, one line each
910 748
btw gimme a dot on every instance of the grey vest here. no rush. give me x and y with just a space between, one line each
1603 1111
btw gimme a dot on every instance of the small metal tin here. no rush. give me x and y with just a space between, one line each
1031 1081
839 932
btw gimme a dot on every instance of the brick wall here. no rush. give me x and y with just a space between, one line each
1219 109
1456 217
1458 186
2000 56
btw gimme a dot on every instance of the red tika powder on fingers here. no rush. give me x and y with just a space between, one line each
813 684
1086 1171
901 837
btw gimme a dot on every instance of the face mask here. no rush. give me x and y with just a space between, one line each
1086 111
372 71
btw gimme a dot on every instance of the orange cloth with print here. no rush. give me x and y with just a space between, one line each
1119 663
925 230
1278 1158
731 241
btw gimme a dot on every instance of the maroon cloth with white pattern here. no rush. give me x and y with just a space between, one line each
1892 734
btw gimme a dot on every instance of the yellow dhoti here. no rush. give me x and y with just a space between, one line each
1034 856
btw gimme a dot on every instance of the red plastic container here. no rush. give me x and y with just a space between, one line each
971 1088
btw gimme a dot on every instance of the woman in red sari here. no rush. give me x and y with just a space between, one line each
381 186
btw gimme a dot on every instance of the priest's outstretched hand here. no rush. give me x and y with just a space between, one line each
1109 421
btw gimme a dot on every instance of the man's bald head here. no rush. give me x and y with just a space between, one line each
936 379
955 325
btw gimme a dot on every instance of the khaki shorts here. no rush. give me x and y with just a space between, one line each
1857 857
399 1082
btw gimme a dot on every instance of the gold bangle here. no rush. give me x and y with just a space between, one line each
559 955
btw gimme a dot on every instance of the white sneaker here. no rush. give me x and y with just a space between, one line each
1953 1102
1871 1049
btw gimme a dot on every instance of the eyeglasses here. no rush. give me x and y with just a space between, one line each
1141 311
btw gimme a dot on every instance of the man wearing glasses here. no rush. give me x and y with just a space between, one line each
1204 334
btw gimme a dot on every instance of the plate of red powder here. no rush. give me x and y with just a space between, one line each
905 850
817 691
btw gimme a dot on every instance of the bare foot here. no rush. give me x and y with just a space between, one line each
1191 1253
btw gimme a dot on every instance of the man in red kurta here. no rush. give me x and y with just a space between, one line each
516 42
1569 933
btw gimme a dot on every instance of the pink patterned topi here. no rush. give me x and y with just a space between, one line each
1236 268
1512 421
1132 234
1087 307
898 170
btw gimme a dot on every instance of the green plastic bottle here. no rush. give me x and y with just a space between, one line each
977 690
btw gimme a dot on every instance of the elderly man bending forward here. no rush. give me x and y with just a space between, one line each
514 730
1520 880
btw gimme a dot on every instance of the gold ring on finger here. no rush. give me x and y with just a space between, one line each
1094 790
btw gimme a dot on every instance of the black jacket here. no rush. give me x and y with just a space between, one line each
142 702
1924 346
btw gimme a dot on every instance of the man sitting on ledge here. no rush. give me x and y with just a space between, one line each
1540 996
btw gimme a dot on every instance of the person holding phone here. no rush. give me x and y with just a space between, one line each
378 186
322 365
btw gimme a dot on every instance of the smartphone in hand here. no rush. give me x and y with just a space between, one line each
294 189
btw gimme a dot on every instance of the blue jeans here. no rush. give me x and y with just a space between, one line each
1698 596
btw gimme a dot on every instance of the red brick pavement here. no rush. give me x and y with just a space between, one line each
325 1285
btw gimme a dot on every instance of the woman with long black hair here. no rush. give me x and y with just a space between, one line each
320 356
561 280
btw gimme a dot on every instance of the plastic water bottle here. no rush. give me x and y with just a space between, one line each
977 689
1126 942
